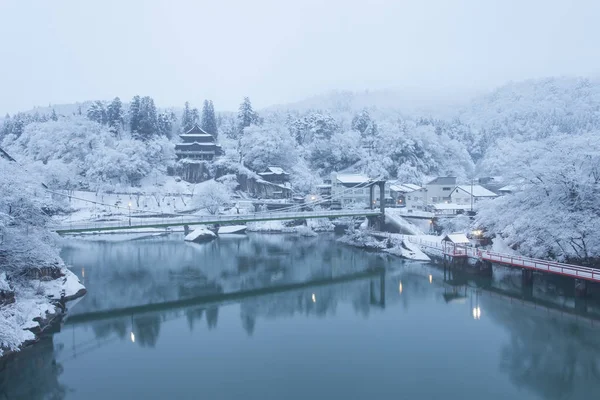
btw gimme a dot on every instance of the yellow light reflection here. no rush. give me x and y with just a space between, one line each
400 288
132 338
430 278
476 312
314 298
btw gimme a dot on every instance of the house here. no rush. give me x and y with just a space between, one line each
272 183
439 189
408 195
470 194
196 147
508 189
353 189
275 175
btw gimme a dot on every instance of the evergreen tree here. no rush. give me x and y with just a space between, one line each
6 127
134 114
363 124
53 116
195 117
166 122
247 116
97 112
209 121
186 118
148 122
114 115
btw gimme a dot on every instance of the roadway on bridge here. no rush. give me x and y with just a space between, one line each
136 223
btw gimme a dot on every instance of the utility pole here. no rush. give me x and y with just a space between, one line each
472 196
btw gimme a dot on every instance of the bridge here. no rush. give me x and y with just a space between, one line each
527 265
150 222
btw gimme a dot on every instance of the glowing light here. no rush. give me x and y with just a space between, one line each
314 298
83 272
477 312
129 204
132 338
431 221
313 198
477 232
430 278
400 288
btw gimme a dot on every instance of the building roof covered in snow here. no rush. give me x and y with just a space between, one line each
273 171
476 190
457 238
405 187
443 180
352 179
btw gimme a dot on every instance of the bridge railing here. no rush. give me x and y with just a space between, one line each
542 265
135 222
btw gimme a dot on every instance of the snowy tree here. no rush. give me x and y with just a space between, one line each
114 115
212 196
186 118
166 123
97 112
209 121
315 125
363 124
53 116
341 151
134 114
148 119
554 210
194 116
268 145
246 115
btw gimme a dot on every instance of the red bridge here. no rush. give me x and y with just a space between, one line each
534 264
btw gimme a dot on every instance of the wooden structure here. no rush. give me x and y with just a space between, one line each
196 148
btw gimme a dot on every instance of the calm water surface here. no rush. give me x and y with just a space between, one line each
160 322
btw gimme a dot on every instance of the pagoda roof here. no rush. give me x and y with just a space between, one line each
196 130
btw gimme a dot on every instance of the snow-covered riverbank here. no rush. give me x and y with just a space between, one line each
391 243
36 305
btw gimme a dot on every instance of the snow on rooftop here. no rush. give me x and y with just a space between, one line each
443 180
405 187
352 178
457 238
276 170
478 191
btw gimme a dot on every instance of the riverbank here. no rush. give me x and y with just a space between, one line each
35 305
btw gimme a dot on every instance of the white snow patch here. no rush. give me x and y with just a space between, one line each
199 234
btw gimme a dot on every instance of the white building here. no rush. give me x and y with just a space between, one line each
353 190
463 194
439 189
413 197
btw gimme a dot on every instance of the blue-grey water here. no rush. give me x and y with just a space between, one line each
290 317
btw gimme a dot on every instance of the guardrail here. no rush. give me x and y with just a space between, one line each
132 222
554 267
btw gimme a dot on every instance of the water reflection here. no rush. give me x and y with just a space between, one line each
295 299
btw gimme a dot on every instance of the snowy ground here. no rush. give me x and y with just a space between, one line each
33 300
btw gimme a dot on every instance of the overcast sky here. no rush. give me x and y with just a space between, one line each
278 51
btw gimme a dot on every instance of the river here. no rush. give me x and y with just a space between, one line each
290 317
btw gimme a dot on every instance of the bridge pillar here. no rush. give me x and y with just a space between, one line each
186 229
527 277
581 288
